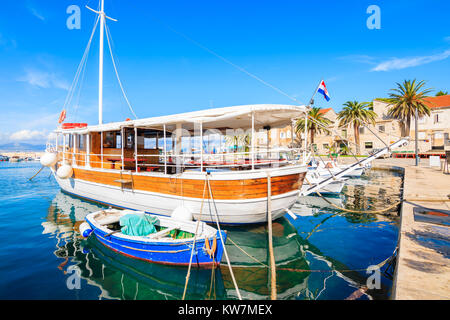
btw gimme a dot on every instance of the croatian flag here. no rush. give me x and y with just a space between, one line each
323 90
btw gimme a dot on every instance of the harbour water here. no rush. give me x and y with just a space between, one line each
323 254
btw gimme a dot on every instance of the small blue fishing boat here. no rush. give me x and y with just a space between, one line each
156 239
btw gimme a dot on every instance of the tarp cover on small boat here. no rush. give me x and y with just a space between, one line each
138 224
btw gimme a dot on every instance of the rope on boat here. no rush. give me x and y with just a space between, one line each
250 256
193 245
36 173
221 237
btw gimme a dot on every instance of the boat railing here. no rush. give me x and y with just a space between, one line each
176 163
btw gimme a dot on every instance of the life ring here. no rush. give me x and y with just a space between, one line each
73 125
62 116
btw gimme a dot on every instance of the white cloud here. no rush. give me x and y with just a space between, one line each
28 135
35 13
43 79
402 63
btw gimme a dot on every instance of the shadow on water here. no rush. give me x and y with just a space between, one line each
303 270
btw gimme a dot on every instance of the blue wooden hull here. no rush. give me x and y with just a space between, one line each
171 253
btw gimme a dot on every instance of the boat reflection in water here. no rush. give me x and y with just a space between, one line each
120 277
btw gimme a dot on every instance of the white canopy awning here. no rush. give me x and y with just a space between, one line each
273 115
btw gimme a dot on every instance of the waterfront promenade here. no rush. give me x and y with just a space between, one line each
423 261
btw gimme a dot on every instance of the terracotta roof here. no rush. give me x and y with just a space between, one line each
438 102
323 111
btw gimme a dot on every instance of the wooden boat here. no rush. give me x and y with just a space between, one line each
142 164
171 244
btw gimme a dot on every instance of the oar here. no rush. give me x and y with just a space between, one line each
36 173
107 235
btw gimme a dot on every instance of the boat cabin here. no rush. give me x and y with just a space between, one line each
214 139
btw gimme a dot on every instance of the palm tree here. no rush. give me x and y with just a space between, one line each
356 114
441 93
316 123
405 100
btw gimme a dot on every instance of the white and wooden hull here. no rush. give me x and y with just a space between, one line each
230 211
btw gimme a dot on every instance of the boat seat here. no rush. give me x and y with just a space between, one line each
161 233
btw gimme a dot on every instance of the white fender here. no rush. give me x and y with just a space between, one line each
48 159
182 213
85 229
65 171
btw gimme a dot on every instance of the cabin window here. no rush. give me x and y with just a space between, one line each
368 145
109 140
130 140
81 145
118 141
149 143
70 136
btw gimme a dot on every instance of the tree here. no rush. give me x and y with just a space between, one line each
316 123
356 114
405 99
441 93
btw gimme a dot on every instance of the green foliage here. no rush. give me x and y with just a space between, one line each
356 114
405 100
316 123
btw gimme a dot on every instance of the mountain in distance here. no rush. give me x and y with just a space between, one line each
20 146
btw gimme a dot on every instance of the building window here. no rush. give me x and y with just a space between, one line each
344 133
368 145
282 136
325 146
361 130
438 135
436 118
381 129
422 120
422 135
314 147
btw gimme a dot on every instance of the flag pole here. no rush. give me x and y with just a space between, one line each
311 102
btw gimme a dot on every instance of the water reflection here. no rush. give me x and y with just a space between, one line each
298 259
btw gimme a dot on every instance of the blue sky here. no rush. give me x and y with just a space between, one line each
290 44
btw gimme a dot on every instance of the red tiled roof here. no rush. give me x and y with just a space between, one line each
323 111
438 102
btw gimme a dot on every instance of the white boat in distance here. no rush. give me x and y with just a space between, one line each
317 175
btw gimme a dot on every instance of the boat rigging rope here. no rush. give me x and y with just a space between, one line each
193 245
221 237
108 35
80 68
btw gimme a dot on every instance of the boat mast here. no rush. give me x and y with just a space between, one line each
100 65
